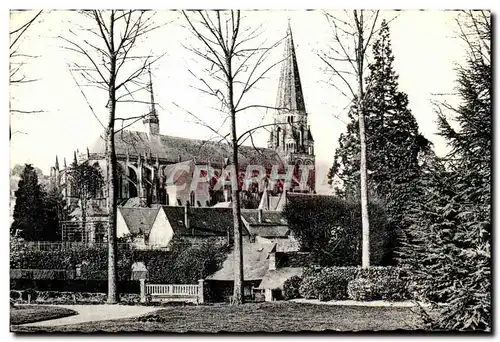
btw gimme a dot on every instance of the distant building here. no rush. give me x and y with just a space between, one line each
147 160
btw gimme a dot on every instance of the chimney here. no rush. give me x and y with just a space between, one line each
260 215
186 217
272 261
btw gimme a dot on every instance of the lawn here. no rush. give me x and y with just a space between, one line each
252 317
33 313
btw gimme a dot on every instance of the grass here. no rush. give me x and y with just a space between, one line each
34 313
253 317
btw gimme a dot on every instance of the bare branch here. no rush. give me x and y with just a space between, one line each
23 29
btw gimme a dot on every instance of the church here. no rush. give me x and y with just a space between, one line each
148 161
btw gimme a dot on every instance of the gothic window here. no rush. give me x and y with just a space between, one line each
192 199
301 135
132 187
278 130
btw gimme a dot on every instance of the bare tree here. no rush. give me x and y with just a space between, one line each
235 67
347 61
16 61
107 44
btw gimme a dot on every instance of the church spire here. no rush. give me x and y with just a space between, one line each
57 164
151 120
290 94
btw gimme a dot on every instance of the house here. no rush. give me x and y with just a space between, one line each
138 222
192 224
255 266
269 227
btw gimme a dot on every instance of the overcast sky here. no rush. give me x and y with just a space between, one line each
424 45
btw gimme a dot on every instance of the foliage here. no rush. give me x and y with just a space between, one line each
327 283
182 264
361 289
30 217
448 243
86 180
333 234
375 283
395 147
291 287
199 262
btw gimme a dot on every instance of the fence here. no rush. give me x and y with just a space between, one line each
65 245
175 292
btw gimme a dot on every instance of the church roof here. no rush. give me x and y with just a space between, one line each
139 220
170 149
290 94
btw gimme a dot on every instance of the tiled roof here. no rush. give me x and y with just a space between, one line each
139 220
170 149
273 223
203 221
268 231
274 279
255 263
268 217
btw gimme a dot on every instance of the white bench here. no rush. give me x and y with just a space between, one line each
175 293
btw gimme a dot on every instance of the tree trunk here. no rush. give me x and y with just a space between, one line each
112 199
365 222
112 174
235 194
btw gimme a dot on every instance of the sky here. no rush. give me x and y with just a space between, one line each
424 45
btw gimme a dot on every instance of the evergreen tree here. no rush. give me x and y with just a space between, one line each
30 219
394 144
449 241
55 213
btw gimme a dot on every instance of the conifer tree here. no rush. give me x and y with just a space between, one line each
449 241
394 144
30 218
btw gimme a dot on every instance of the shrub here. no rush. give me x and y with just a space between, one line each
15 295
333 236
182 264
328 283
291 287
361 289
389 283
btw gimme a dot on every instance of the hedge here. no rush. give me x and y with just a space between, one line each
291 287
67 297
340 283
182 264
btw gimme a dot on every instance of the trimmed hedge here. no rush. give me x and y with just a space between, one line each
66 297
182 264
291 287
361 289
340 283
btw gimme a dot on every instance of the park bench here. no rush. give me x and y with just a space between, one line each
173 293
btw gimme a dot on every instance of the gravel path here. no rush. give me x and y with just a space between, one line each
93 313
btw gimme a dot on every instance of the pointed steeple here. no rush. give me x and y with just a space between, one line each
290 94
56 164
151 120
65 166
75 161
